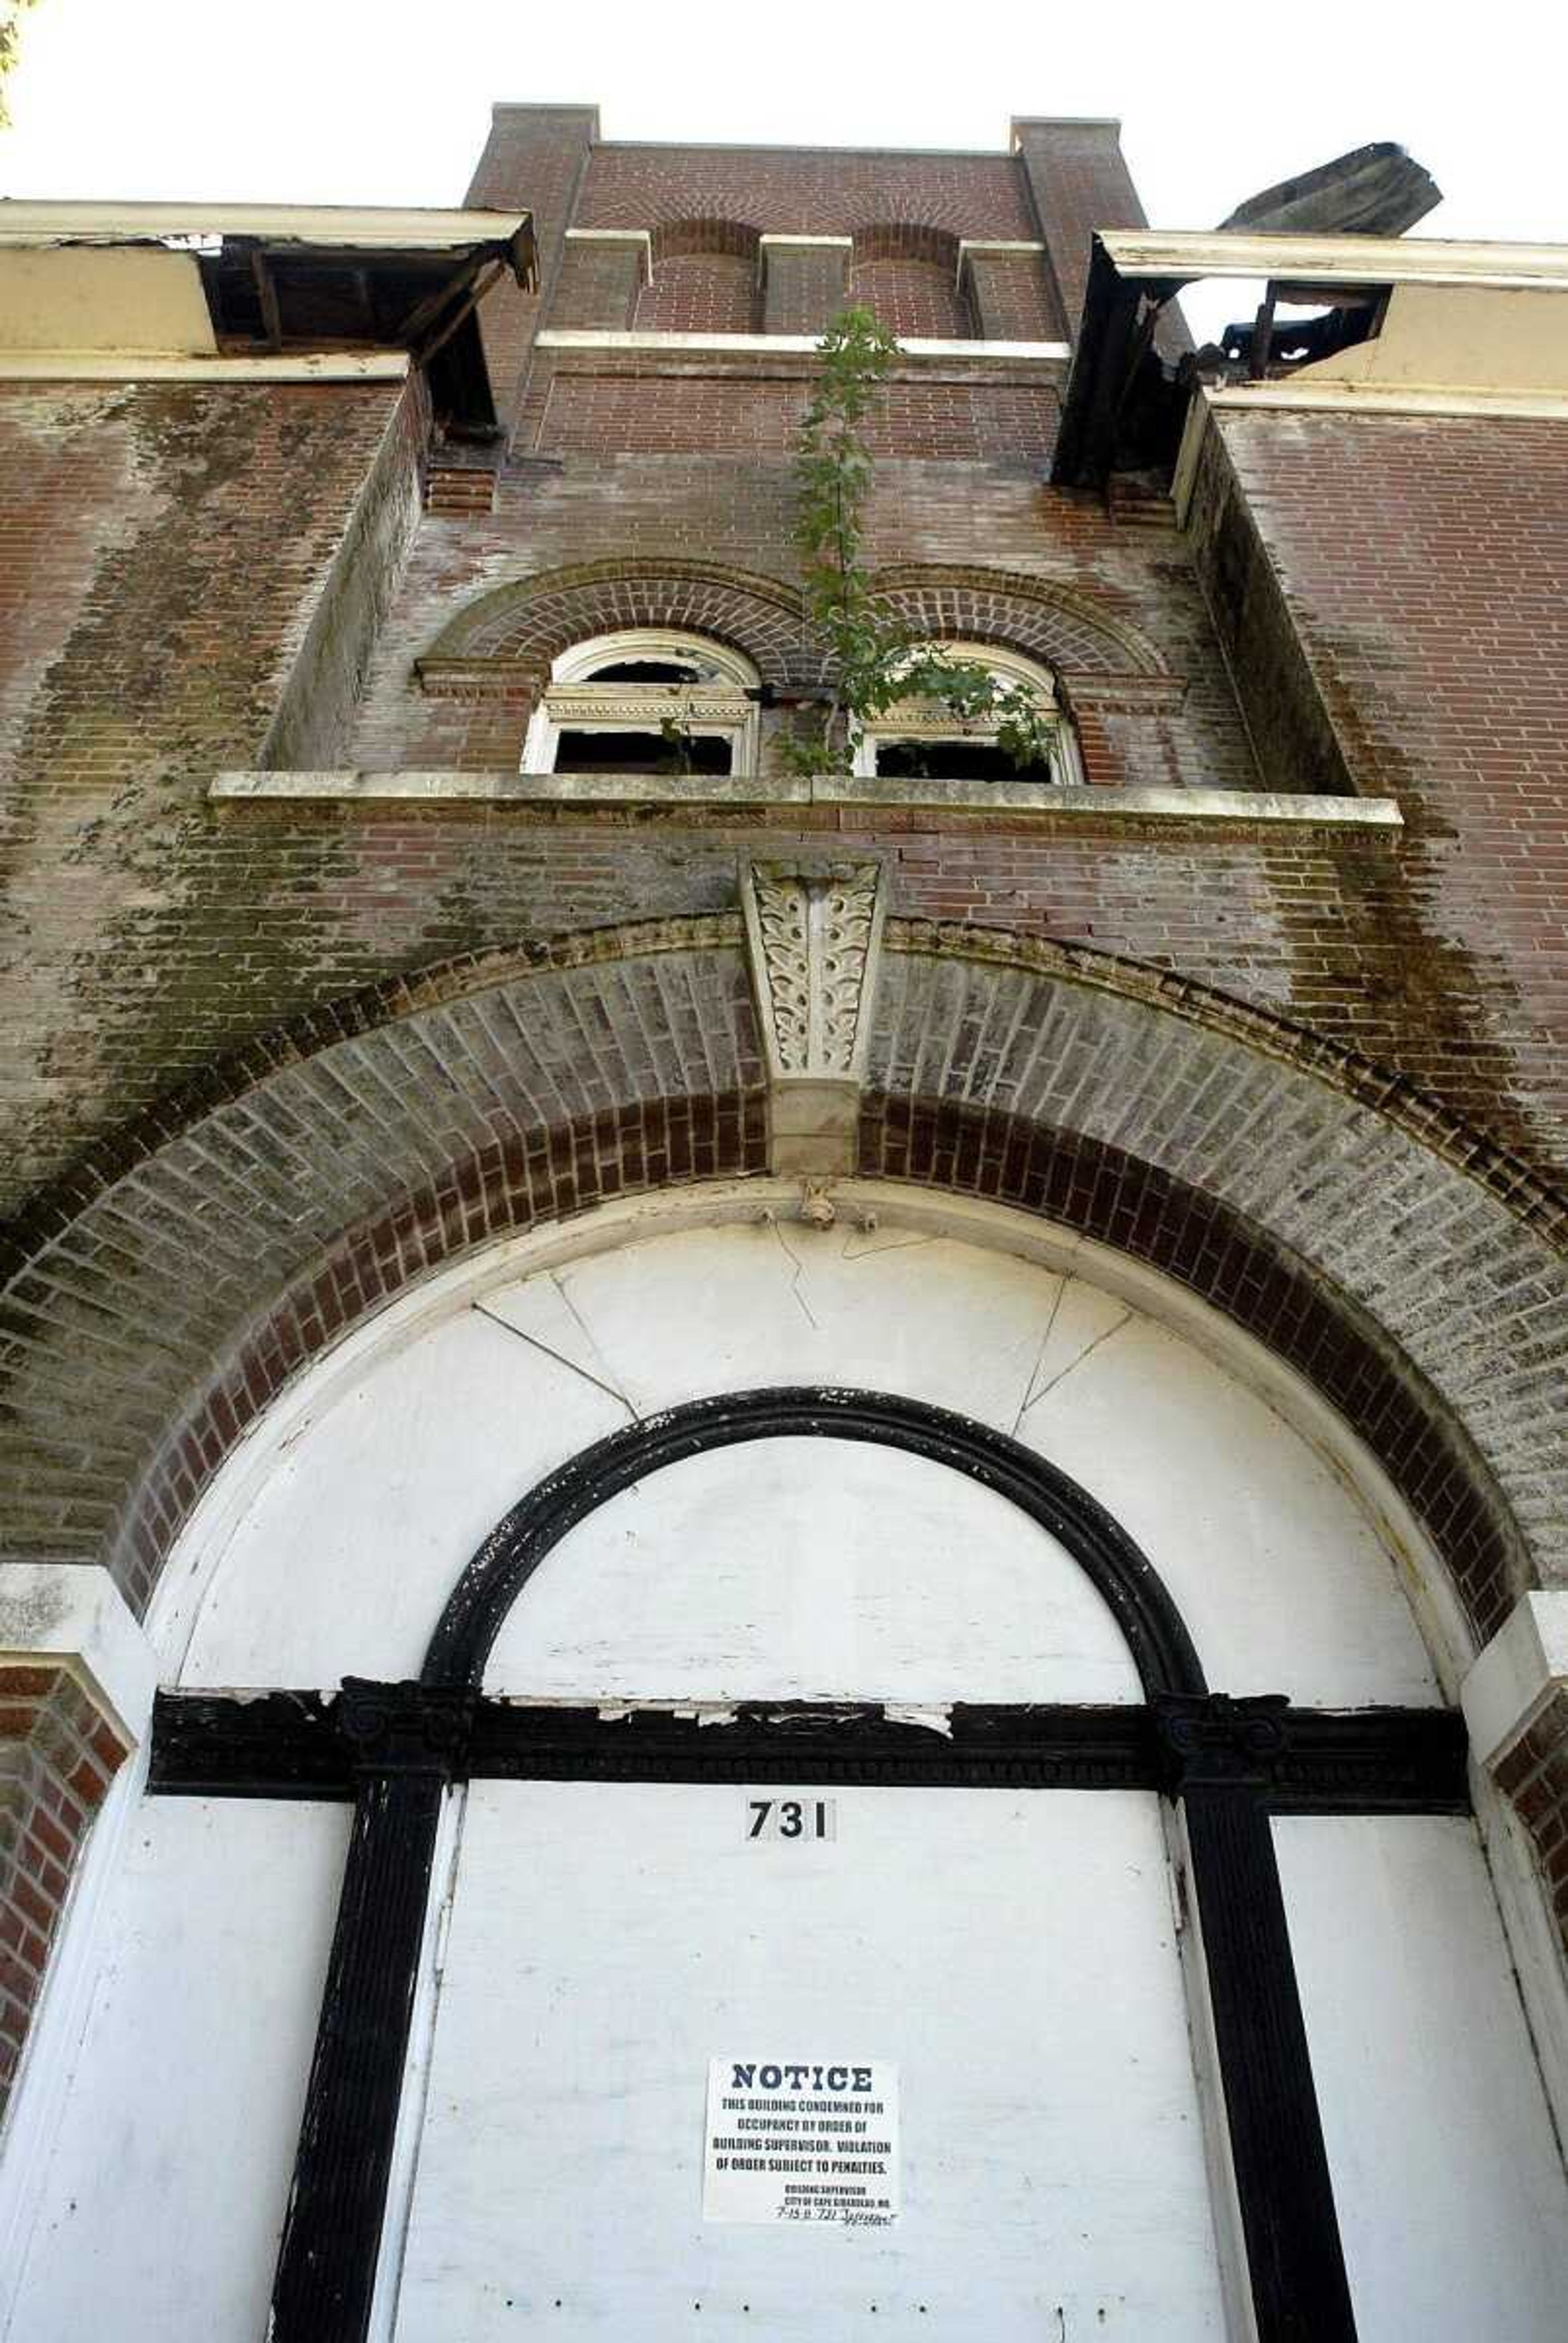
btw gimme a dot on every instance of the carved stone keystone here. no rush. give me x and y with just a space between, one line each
813 930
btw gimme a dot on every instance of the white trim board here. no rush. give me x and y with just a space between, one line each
1393 399
95 366
349 226
1139 254
574 338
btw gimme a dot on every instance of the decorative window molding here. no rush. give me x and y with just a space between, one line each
594 688
926 721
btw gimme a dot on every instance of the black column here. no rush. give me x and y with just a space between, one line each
406 1745
1223 1756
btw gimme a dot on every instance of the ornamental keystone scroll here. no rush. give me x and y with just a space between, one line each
813 929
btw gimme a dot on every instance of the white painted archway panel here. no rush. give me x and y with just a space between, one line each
349 1548
343 1555
1012 1954
166 2193
811 1569
1450 2192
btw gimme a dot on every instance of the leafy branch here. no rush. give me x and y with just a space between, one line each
874 663
11 12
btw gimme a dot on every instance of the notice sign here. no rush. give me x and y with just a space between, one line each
799 2140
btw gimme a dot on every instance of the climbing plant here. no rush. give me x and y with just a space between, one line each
874 662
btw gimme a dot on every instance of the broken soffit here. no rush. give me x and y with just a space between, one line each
95 287
1458 316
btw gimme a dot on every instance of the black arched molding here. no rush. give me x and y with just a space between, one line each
1151 1625
398 1749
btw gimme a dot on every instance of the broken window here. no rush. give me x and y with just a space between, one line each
647 700
918 739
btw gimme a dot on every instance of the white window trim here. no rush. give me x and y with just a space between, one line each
716 709
924 720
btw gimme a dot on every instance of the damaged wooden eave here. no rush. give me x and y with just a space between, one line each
93 289
328 226
1134 273
1163 263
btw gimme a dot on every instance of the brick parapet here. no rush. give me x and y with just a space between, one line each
795 191
1077 182
534 159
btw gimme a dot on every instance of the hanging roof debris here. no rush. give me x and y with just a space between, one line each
1377 190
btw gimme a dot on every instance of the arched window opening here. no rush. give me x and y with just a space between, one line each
922 739
646 700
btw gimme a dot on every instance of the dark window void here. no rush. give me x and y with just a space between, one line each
952 761
642 752
647 671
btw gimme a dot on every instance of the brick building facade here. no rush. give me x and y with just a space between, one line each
313 988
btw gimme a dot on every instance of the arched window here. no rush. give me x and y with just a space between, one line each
646 700
919 739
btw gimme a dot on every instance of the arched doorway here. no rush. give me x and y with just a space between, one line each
935 1605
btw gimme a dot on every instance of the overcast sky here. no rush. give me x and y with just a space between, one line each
385 102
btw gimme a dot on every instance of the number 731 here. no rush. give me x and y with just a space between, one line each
791 1818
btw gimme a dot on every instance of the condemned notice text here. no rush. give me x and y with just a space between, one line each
802 2140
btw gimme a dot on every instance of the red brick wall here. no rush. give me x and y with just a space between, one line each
1422 563
611 410
162 552
798 192
918 298
699 293
534 161
57 1758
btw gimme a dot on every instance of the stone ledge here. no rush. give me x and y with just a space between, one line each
700 795
1518 1676
73 1616
915 349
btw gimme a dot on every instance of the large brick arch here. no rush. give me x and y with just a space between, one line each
533 619
1403 1268
1061 625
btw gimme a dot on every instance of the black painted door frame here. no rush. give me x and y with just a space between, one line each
398 1749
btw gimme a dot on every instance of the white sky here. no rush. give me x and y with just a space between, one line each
382 101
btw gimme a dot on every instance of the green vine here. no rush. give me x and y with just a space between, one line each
874 663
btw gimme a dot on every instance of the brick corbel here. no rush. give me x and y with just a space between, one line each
1515 1701
76 1682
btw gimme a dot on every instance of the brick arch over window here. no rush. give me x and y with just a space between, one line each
535 618
704 279
1357 1231
1068 631
908 274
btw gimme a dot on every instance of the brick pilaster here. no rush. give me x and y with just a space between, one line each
1517 1704
76 1683
1079 182
533 161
